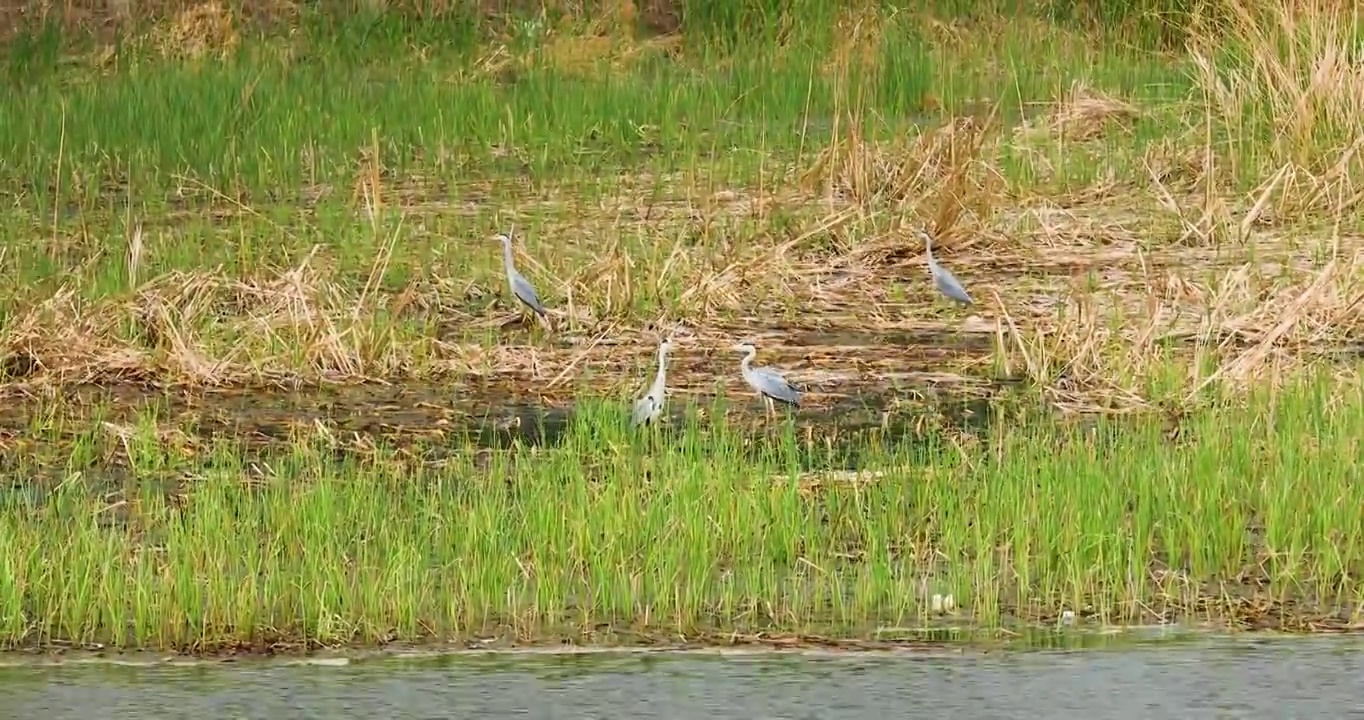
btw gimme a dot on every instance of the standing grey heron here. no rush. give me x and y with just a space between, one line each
943 279
768 382
649 407
520 287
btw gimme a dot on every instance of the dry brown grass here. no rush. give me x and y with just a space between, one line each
207 30
1287 82
583 44
1081 299
1082 114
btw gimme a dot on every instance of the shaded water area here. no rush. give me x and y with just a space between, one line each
84 428
420 421
481 417
1221 678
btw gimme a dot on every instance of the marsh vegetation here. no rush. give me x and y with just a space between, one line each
264 384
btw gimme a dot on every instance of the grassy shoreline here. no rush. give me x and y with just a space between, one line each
1162 244
1233 518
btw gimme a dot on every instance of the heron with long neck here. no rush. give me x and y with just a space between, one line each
768 383
649 407
520 287
943 279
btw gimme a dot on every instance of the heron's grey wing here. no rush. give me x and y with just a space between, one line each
775 386
950 286
525 293
644 410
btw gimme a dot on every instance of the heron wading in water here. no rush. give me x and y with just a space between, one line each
649 407
520 287
769 384
943 279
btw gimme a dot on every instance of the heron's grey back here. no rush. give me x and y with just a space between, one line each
522 289
946 282
774 385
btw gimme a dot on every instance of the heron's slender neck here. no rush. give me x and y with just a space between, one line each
506 250
660 378
748 358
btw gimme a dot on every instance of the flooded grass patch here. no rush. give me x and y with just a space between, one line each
402 413
1247 516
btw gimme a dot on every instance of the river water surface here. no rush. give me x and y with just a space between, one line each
1224 678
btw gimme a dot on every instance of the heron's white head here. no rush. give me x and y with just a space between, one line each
744 347
503 238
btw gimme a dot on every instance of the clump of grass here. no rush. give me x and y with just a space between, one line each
1283 87
1182 340
691 533
1082 114
207 30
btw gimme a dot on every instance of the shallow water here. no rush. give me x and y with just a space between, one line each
410 413
488 417
1277 678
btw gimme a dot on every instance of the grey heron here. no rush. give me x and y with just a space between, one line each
649 407
520 287
768 382
943 279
